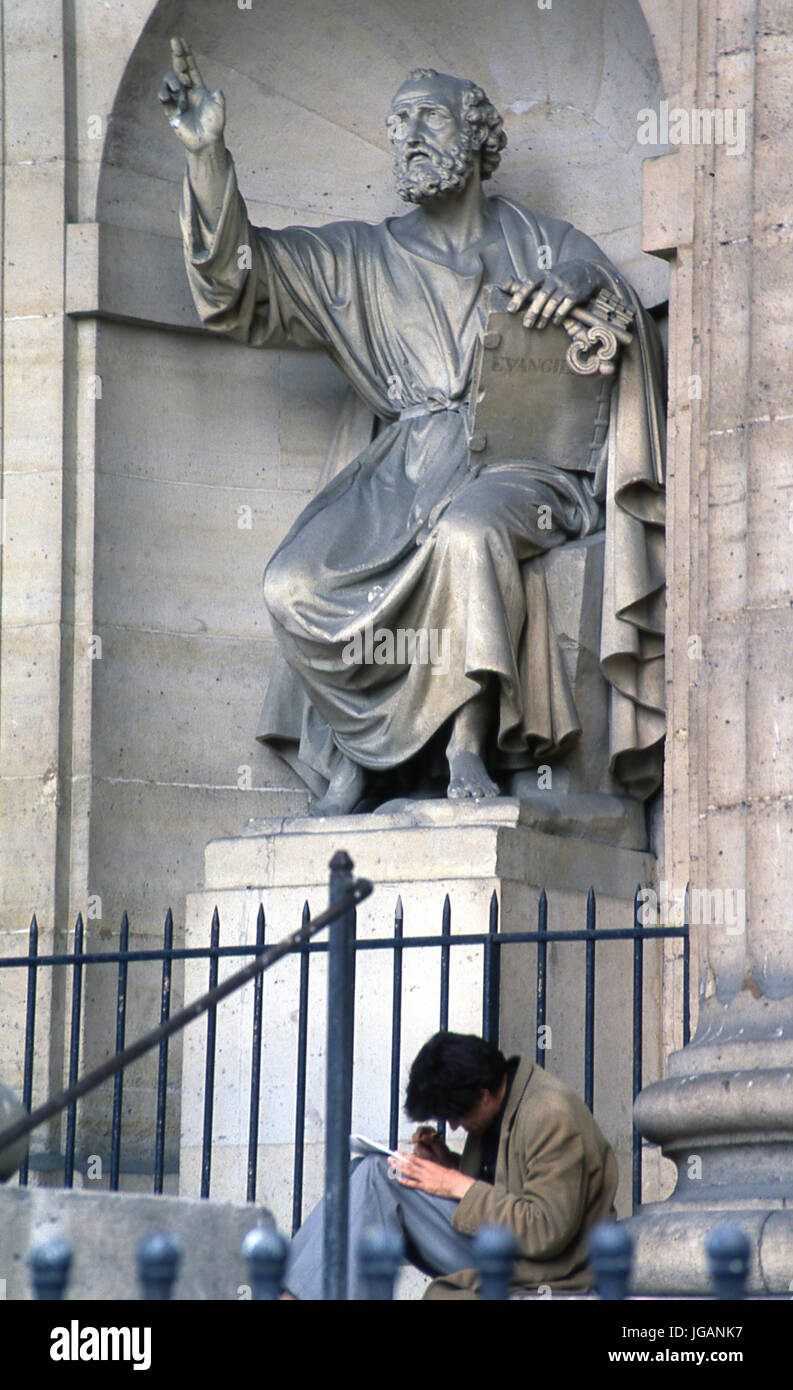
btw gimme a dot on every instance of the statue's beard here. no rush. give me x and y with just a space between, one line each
435 175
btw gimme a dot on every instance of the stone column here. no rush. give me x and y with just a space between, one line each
725 1112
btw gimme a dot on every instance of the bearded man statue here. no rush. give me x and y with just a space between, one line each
408 537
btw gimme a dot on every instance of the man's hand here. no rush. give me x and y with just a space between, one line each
196 114
551 297
427 1143
433 1178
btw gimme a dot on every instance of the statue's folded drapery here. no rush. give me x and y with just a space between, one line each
405 537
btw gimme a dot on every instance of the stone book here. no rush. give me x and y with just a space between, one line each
558 417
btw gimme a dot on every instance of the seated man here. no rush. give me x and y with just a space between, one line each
534 1161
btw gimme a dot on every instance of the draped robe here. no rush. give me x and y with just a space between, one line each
406 537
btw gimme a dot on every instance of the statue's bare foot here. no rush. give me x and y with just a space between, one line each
469 777
345 789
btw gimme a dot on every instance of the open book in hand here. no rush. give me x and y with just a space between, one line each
359 1144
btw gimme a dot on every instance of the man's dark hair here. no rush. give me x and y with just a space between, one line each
448 1074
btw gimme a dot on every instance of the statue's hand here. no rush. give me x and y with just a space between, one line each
196 114
550 297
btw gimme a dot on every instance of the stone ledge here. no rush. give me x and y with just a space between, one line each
585 816
431 841
667 205
105 1229
116 272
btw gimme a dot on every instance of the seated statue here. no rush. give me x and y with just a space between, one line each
398 596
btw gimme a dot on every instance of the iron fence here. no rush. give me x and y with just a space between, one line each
340 1020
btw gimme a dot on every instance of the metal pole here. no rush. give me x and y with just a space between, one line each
495 1249
542 964
729 1253
209 1064
491 977
162 1064
589 1006
265 1251
380 1254
396 1026
638 1037
611 1258
256 1069
300 1093
118 1083
341 1013
159 1257
50 1264
30 1035
74 1051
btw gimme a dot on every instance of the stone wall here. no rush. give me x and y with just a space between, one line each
134 642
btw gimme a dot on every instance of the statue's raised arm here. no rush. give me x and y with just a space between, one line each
198 117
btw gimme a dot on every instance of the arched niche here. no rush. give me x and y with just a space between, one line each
205 452
307 87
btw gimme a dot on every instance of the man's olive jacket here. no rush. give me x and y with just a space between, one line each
556 1177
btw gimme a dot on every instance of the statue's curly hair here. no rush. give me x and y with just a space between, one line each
487 126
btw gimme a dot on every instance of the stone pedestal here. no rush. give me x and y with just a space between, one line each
419 853
105 1229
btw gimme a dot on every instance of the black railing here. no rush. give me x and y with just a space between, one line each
492 942
348 892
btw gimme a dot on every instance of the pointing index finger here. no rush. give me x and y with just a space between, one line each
185 63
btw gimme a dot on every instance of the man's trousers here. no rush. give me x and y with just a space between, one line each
380 1203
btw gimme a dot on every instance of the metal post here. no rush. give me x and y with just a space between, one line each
443 1021
50 1263
589 1004
300 1092
380 1254
542 964
341 1011
611 1257
159 1257
495 1249
256 1069
265 1249
74 1050
30 1036
118 1080
729 1253
446 933
209 1068
162 1063
491 977
396 1025
638 1037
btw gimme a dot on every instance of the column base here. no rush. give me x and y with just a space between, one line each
670 1258
724 1115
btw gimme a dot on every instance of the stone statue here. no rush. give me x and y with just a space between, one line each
398 596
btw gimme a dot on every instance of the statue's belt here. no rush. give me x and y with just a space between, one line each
431 407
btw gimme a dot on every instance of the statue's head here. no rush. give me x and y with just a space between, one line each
440 126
